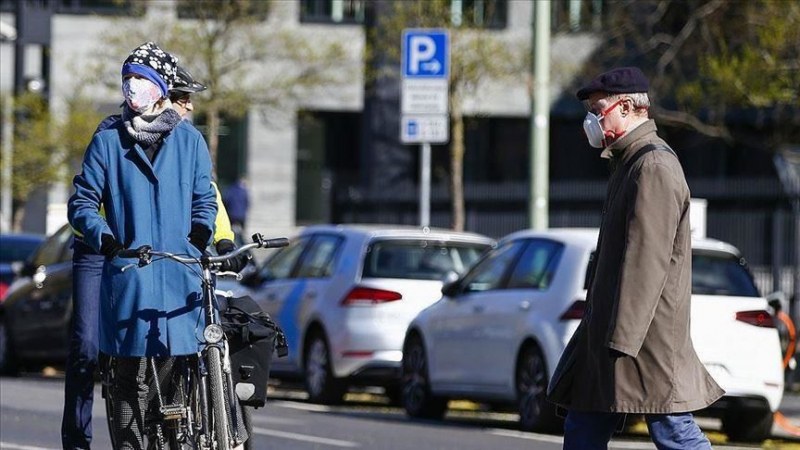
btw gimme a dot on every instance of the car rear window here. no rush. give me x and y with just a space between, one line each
419 259
721 274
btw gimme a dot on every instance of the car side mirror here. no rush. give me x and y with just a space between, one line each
776 300
451 289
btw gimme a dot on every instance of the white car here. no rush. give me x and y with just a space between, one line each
345 294
498 332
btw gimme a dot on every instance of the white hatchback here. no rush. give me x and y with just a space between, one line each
499 331
345 294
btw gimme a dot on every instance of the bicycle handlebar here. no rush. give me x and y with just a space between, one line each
145 252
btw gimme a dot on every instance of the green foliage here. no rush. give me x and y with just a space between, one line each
46 147
708 57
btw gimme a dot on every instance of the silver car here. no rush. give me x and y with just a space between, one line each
345 294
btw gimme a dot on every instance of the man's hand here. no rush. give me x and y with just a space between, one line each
109 247
236 264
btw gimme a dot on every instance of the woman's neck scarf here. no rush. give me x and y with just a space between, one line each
152 125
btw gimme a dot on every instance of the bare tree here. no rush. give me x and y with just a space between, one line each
709 57
231 46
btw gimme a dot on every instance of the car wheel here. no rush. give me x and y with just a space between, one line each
321 385
748 426
8 364
417 398
535 412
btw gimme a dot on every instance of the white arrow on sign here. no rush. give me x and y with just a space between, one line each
432 67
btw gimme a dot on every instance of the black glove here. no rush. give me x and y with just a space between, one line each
109 246
236 264
199 237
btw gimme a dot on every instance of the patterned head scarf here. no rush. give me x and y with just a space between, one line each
154 64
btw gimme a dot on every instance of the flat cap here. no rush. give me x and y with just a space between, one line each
622 80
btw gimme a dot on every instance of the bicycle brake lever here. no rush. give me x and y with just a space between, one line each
129 266
238 276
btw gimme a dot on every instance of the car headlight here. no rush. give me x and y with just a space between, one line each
213 333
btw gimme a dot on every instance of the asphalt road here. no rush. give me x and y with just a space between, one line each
30 418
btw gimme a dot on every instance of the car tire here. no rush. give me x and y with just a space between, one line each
748 426
321 385
536 413
417 398
8 361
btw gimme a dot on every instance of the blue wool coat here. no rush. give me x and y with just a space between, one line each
153 310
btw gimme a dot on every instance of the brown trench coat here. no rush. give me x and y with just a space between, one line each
632 352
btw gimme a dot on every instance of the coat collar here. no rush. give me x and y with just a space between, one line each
624 145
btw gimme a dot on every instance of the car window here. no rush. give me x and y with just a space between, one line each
281 264
589 271
419 259
318 261
491 271
536 267
721 274
51 251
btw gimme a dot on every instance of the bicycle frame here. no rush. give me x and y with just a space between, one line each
213 363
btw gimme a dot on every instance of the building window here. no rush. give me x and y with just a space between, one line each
570 16
479 13
332 11
101 7
193 9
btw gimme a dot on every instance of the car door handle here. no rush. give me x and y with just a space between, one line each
525 305
478 308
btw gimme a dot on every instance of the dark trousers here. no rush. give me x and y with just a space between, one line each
76 425
593 430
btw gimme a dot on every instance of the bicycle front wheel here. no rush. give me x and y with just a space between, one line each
218 410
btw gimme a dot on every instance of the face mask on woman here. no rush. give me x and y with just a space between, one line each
140 94
593 129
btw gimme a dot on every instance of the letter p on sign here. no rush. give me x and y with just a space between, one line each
422 48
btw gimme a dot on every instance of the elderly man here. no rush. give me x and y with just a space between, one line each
633 353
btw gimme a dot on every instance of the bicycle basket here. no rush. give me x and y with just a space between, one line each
253 337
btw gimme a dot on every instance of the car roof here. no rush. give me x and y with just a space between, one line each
21 237
587 239
399 231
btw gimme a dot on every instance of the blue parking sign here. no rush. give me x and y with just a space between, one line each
425 53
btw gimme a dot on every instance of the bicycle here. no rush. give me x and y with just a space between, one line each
207 415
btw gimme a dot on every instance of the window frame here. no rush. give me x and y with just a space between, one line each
328 19
304 241
503 280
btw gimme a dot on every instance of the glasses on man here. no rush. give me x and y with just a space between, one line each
183 101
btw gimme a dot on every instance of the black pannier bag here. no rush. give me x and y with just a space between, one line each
252 338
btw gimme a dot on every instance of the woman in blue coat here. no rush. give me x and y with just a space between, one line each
152 174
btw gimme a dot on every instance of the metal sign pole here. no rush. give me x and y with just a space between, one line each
425 185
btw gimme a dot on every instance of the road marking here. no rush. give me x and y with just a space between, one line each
560 440
271 420
302 406
305 438
10 446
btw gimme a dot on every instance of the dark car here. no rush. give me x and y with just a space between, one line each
14 249
35 314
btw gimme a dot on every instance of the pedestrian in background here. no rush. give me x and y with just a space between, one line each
632 352
237 201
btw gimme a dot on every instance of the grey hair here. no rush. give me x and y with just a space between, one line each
640 100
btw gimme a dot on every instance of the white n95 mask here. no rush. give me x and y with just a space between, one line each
140 94
594 131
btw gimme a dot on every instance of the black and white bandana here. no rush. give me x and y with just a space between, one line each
149 61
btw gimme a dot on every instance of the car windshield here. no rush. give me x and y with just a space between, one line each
419 259
721 274
12 250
